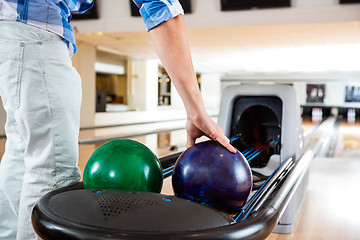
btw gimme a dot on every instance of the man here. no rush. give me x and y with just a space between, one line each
41 93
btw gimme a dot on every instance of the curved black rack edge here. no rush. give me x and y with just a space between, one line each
258 225
42 222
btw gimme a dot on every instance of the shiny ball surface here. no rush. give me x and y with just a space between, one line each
210 174
123 164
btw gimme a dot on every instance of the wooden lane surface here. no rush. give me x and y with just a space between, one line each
331 208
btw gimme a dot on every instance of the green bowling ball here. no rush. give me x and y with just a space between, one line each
123 164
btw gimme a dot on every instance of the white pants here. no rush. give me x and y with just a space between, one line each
41 93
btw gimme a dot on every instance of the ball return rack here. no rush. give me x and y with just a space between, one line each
75 213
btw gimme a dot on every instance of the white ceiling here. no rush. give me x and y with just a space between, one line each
320 47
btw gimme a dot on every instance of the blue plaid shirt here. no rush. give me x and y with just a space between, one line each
155 12
55 15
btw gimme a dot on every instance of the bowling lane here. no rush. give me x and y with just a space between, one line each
167 187
331 206
307 123
348 141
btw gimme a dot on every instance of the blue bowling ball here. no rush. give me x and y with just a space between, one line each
209 174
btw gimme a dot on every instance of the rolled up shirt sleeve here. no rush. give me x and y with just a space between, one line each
80 6
155 12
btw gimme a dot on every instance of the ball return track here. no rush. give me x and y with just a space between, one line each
256 220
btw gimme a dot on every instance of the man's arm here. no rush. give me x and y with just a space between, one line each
172 46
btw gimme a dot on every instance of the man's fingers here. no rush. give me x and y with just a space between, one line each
190 141
226 143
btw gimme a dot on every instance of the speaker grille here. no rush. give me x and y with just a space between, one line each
114 205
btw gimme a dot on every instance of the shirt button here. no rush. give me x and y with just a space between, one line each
21 44
39 42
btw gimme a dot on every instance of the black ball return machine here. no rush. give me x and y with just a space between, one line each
263 122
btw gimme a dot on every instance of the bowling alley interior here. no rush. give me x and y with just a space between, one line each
282 80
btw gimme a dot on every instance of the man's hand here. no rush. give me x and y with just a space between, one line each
172 46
